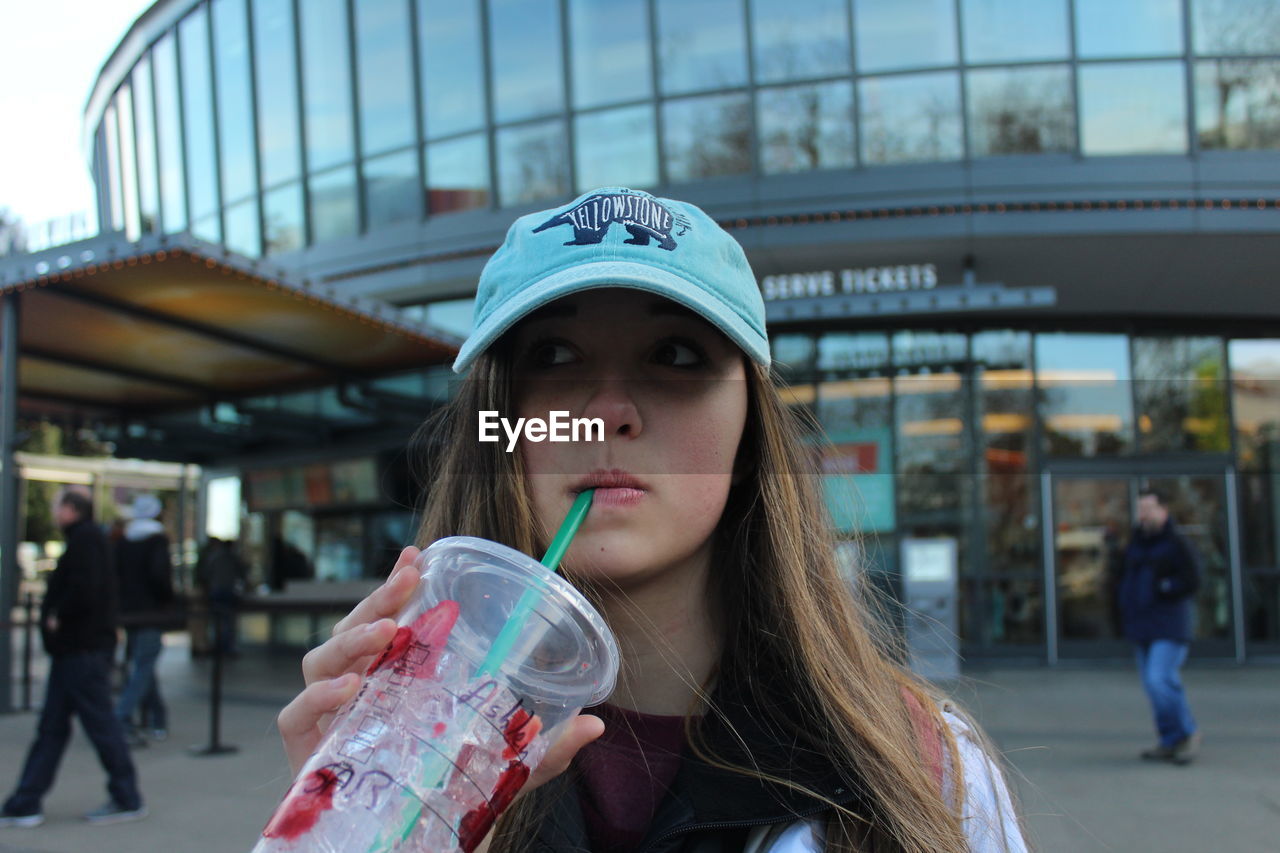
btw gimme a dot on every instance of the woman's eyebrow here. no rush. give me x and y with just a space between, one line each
554 311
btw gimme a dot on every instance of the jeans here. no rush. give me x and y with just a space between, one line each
79 684
1159 663
142 687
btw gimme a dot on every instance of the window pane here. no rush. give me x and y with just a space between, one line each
928 407
235 104
128 163
144 121
857 467
197 113
333 204
524 38
793 39
279 141
326 75
616 148
1085 402
1255 388
1235 26
913 117
610 41
391 188
853 351
1010 30
702 44
904 33
386 75
242 227
1133 28
806 127
449 45
282 215
451 315
458 174
706 137
111 136
1181 389
1020 111
1238 103
532 163
1133 108
173 192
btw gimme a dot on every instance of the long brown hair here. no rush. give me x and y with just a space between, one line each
784 603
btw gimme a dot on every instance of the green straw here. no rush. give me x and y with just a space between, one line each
506 638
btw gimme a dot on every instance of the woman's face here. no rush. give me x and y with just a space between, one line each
671 392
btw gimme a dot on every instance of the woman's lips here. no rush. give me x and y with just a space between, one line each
617 496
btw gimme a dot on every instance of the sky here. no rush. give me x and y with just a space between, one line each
50 53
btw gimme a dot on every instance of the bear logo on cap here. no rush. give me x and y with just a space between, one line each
642 216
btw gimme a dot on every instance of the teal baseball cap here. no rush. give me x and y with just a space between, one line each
618 237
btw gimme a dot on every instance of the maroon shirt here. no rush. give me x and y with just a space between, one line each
625 774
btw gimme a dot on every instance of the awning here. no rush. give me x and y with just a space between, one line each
118 329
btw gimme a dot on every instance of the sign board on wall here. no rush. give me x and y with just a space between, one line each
857 480
849 282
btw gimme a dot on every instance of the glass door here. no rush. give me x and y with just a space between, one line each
1092 516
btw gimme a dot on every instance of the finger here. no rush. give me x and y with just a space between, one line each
349 651
387 599
579 732
302 722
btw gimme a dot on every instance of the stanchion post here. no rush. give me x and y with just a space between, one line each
215 746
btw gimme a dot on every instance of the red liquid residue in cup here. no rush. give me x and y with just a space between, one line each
299 812
476 823
428 633
521 730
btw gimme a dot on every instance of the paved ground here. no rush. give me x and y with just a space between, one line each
1071 736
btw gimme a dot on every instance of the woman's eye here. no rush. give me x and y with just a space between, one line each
549 354
678 354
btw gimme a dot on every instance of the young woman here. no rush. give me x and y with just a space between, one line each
760 707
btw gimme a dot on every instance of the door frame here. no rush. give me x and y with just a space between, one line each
1130 468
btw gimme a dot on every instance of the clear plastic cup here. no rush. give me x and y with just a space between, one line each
434 746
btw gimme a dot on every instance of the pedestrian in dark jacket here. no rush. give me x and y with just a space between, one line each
145 570
78 624
1161 575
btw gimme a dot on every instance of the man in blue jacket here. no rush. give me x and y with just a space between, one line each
1161 575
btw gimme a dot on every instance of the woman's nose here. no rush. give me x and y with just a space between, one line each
614 403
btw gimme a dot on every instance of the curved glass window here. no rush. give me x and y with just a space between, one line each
609 40
391 188
910 118
144 120
173 188
893 34
449 45
1181 390
1014 30
333 204
531 162
707 137
526 58
1105 28
242 227
1237 103
795 39
111 136
198 127
235 102
1085 399
806 127
616 148
326 78
128 163
1020 111
1133 108
282 219
458 174
1235 26
385 74
279 139
702 44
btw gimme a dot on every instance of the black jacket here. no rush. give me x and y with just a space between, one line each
1161 574
709 809
145 572
81 595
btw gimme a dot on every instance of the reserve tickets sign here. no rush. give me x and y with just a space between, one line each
850 282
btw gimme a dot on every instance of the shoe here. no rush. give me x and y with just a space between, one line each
1185 750
159 735
25 821
1158 753
113 813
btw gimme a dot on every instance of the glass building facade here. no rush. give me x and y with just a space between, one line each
1126 155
